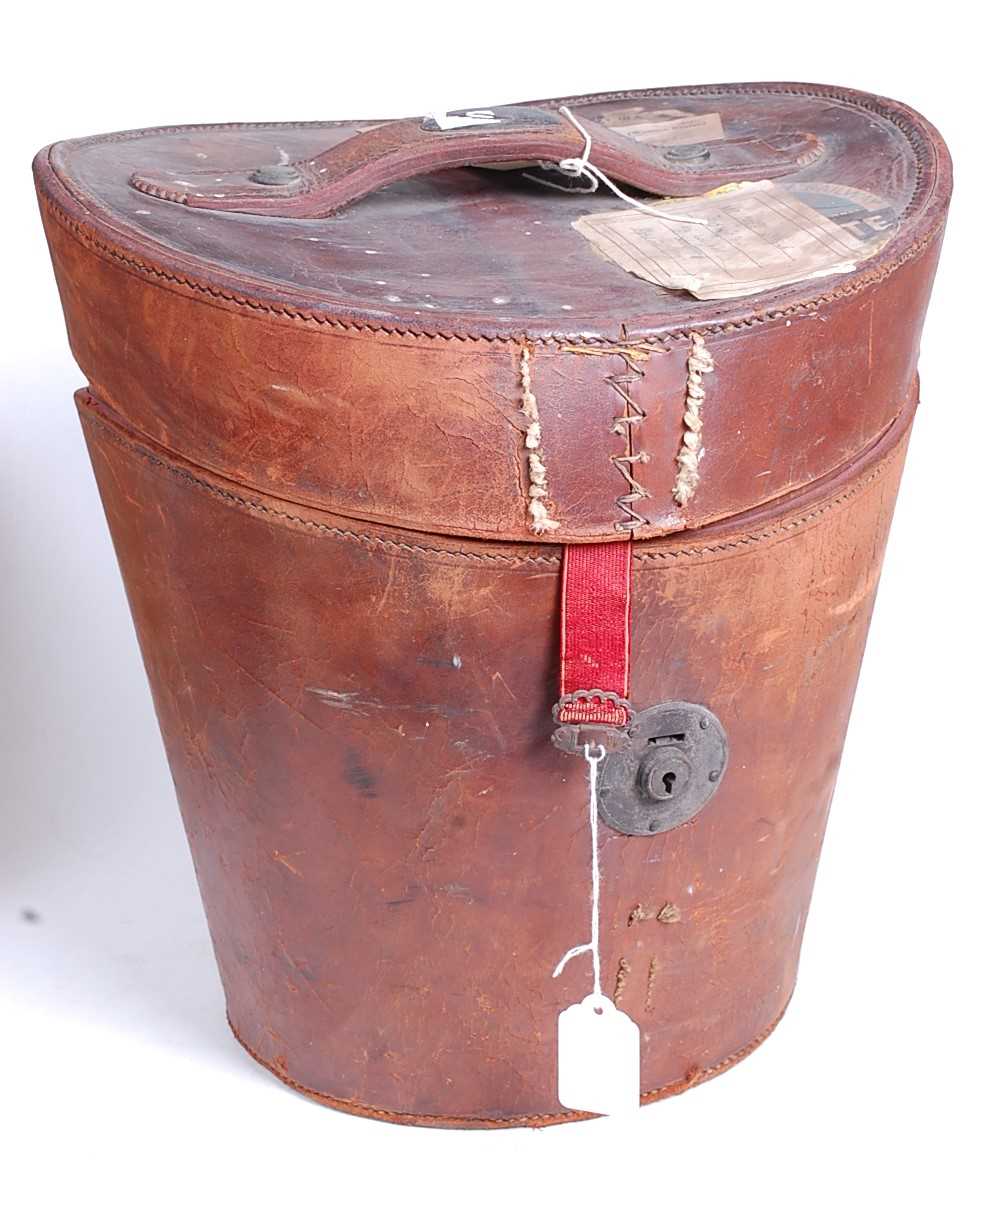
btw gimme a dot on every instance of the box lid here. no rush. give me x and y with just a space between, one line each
473 251
244 216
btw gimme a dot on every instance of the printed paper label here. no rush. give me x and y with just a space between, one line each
756 236
666 128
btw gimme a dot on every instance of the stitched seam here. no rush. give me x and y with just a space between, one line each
748 540
539 517
122 137
626 425
387 544
553 559
918 142
894 114
151 270
688 460
696 1076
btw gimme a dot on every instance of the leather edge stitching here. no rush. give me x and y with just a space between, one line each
661 558
696 1076
149 270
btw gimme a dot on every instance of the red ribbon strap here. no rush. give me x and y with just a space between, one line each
596 633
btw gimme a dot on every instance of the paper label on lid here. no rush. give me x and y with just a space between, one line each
667 128
599 1054
755 236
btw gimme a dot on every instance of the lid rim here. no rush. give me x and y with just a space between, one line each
75 209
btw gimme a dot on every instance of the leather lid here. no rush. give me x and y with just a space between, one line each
476 252
449 277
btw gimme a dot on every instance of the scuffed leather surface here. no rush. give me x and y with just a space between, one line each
432 255
351 365
391 854
310 446
428 433
391 152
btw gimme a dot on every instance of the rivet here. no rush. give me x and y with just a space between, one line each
276 175
688 152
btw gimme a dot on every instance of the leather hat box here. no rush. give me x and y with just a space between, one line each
454 462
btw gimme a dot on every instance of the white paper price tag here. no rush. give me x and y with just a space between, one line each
599 1054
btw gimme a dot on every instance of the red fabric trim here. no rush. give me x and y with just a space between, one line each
596 631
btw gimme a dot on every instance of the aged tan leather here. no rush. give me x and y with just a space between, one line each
304 418
314 472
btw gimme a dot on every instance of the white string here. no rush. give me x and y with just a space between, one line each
593 759
583 167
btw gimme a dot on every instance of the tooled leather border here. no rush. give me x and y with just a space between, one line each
925 142
696 1076
868 467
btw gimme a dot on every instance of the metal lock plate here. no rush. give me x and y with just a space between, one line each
671 766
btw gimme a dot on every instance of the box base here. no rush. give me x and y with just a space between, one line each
695 1077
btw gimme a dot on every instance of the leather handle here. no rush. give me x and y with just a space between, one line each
390 152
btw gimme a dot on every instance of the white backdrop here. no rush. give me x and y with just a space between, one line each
122 1088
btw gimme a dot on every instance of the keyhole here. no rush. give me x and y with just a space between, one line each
664 773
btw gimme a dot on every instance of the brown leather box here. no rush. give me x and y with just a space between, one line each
398 452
